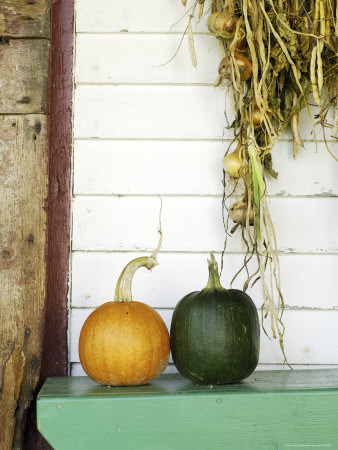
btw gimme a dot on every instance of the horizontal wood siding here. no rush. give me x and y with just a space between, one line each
120 16
145 125
180 273
303 344
190 168
194 223
160 112
144 59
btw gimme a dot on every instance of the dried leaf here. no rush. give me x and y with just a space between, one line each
305 44
279 59
268 166
218 81
289 37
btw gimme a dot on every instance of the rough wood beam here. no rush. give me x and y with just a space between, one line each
23 180
24 64
24 73
25 18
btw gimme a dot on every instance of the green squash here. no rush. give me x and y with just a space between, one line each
215 333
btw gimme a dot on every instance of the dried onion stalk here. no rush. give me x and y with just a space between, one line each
287 50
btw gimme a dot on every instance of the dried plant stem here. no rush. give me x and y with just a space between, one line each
313 77
191 43
251 45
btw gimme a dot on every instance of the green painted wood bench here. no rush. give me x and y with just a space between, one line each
270 410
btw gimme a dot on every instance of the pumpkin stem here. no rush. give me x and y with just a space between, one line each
123 286
213 281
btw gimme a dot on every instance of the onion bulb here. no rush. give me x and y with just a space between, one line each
244 66
222 25
238 212
257 117
232 163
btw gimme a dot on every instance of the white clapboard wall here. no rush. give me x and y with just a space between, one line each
145 127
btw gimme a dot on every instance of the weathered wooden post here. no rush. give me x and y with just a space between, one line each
24 65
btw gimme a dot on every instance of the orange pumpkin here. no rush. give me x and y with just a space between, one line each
124 343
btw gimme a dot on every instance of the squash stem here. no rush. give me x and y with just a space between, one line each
123 286
213 281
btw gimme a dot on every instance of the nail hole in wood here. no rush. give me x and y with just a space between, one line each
7 253
37 128
24 100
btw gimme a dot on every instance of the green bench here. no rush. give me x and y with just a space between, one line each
270 410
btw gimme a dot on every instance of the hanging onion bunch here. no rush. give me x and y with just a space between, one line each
273 54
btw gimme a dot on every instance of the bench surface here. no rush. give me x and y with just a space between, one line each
269 410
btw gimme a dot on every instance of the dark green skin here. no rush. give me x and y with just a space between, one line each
215 336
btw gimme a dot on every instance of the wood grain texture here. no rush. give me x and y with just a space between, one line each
11 387
25 18
273 410
24 67
23 180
